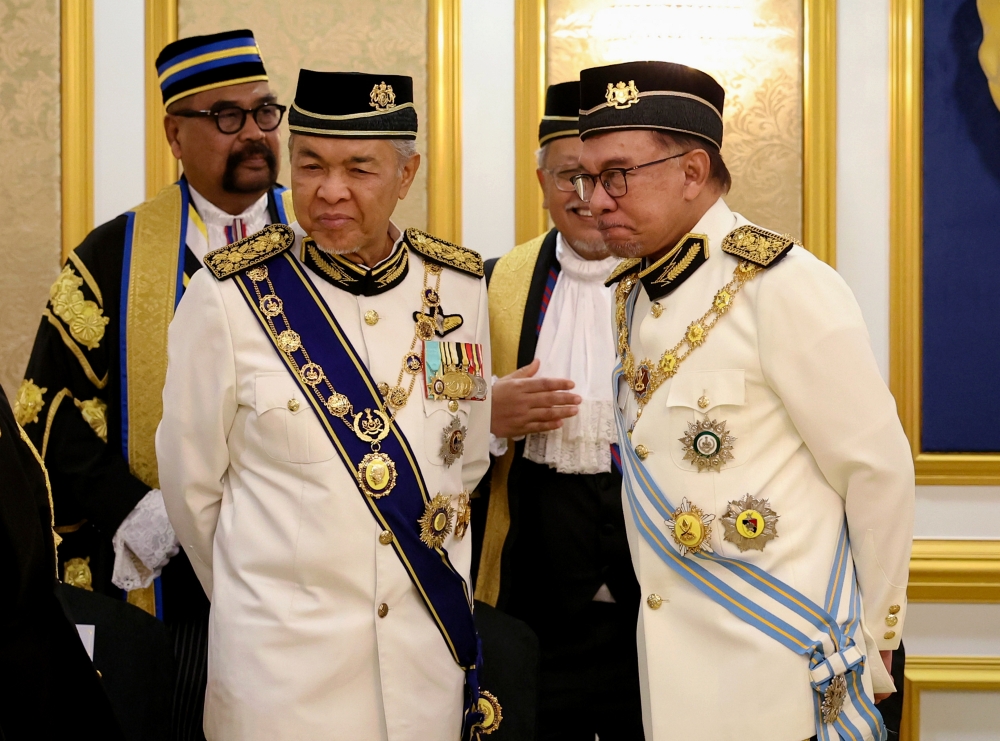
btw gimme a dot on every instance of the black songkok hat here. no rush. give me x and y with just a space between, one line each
353 104
651 95
198 63
562 112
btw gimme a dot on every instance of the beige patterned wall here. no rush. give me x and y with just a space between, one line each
29 190
389 36
752 47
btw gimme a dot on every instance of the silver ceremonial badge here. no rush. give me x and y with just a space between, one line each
708 444
750 523
453 441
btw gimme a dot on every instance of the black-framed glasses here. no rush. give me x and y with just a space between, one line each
613 179
232 119
563 179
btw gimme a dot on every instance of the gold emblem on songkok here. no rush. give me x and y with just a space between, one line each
436 521
29 402
621 95
691 528
708 444
489 706
95 413
382 98
453 441
84 318
833 699
76 573
750 523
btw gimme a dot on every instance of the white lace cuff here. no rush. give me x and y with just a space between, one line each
144 543
581 445
498 445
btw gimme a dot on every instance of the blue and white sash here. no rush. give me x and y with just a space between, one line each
439 584
829 636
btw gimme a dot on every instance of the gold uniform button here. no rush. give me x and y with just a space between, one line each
703 402
891 621
642 451
654 601
894 609
383 610
889 634
452 406
293 405
385 537
371 317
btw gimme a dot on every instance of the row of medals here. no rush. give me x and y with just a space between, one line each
376 473
749 523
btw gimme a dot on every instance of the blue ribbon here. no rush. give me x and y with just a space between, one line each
442 588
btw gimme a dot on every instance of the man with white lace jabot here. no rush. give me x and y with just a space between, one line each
554 551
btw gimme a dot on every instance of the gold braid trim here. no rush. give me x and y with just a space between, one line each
56 540
53 408
75 349
87 277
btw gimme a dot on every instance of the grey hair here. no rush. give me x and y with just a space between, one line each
404 148
541 155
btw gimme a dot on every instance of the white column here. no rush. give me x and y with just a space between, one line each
119 107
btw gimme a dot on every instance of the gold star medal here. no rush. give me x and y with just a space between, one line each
708 444
489 706
435 522
691 528
750 523
463 515
453 442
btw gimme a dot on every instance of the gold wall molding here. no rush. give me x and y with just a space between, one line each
161 29
947 673
77 120
530 31
906 254
444 113
954 571
819 165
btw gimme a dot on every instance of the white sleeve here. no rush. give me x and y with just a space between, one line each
144 543
816 355
476 459
199 405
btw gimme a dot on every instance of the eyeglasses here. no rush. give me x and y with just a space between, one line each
231 119
563 179
613 180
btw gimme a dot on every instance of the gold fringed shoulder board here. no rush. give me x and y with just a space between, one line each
272 240
756 245
622 269
445 253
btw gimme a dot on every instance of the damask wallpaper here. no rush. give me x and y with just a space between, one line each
29 150
389 36
752 47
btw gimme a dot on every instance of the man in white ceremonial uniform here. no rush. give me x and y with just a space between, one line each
768 485
326 415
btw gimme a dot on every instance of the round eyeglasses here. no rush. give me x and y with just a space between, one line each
613 179
232 119
563 179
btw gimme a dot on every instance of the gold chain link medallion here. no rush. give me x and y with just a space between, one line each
750 523
691 528
489 706
436 521
708 444
376 474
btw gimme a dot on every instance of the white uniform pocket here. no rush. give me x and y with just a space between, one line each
287 423
718 396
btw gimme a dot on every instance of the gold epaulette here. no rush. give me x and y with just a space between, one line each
445 253
272 240
756 245
626 266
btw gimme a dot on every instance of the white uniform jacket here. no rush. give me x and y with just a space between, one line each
280 537
790 370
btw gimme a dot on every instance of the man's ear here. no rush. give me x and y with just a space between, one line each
172 131
697 168
409 172
540 174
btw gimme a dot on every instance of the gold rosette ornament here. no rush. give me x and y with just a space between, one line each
489 706
29 402
691 528
436 521
750 523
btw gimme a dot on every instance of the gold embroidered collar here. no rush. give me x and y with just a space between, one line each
353 278
665 275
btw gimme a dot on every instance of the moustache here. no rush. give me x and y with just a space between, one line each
235 159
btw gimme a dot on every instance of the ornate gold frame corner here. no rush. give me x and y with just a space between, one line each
444 103
906 254
77 121
819 150
161 29
955 571
948 673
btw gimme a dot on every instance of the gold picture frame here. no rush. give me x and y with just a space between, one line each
444 170
819 156
954 571
947 673
906 254
76 61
